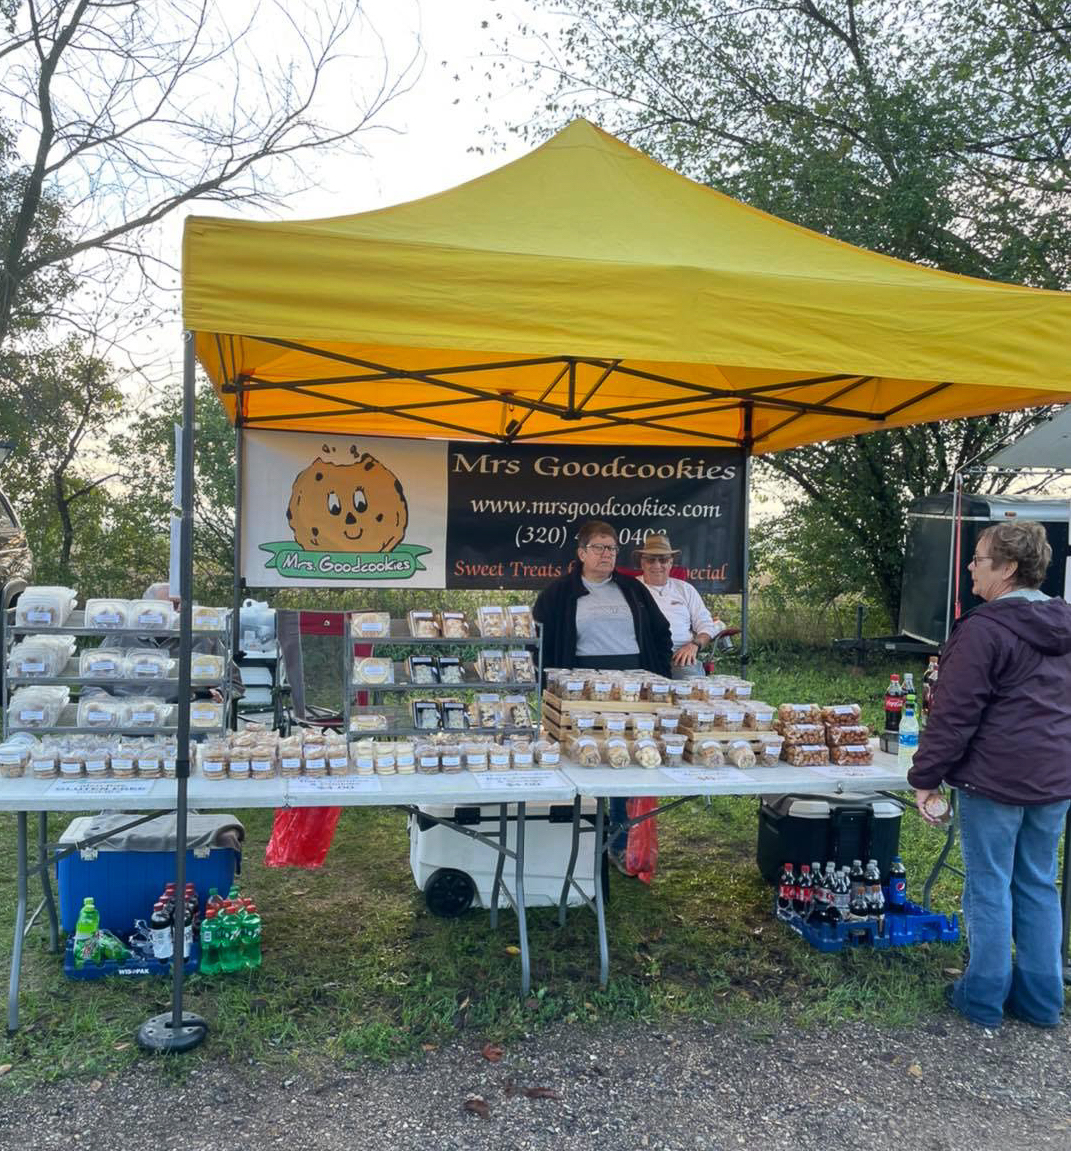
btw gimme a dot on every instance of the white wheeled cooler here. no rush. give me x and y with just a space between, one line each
455 871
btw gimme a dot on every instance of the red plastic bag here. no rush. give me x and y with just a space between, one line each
641 851
300 836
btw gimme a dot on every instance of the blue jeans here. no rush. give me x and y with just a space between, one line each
1010 895
618 814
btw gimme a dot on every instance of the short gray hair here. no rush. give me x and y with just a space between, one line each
1024 544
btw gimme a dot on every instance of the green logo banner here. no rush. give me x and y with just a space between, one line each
294 562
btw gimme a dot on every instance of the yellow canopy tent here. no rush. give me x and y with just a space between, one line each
585 293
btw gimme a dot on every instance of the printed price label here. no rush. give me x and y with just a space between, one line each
95 787
848 770
334 784
705 776
518 780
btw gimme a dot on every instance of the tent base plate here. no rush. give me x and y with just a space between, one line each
158 1034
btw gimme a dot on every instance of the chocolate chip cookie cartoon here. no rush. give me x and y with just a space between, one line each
353 507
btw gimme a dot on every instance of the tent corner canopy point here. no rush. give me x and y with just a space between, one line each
586 294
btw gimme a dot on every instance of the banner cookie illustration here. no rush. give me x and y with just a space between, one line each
348 522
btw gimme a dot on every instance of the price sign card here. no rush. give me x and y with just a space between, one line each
706 776
113 788
848 770
517 780
334 785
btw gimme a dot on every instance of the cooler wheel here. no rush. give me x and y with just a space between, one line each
449 893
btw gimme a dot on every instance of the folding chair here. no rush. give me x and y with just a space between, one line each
311 658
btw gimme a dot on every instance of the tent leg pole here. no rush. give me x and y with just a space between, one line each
745 598
180 1030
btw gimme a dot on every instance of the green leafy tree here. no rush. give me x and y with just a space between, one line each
936 131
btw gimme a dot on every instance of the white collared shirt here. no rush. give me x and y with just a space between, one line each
683 607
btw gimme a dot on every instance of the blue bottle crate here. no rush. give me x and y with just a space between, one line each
917 926
133 968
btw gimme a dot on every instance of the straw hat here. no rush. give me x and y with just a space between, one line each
656 545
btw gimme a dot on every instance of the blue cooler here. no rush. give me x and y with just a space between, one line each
126 870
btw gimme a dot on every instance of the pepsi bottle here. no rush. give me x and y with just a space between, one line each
897 902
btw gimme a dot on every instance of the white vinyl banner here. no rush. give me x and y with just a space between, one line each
343 510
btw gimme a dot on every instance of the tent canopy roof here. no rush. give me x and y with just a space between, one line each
587 294
1046 446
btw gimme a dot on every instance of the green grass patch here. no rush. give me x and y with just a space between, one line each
356 969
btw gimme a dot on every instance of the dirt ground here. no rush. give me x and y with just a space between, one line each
948 1086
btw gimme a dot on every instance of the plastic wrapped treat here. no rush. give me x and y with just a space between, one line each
672 747
102 663
613 722
209 618
450 669
838 735
369 721
667 719
805 754
739 688
370 624
799 713
759 716
452 713
739 754
315 756
475 755
484 710
515 711
451 759
680 692
768 749
239 766
616 752
106 613
40 656
698 717
150 615
492 620
338 757
707 752
205 668
796 733
205 714
854 753
383 756
599 689
646 753
426 714
373 670
547 753
149 711
423 625
45 606
263 761
100 710
34 707
13 759
453 624
584 751
642 723
716 687
521 622
405 757
656 689
585 722
522 669
498 757
523 756
213 757
427 758
569 685
422 669
72 762
628 688
842 714
493 667
364 762
144 663
728 715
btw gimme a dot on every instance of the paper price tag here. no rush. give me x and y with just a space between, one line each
95 787
517 780
705 776
334 784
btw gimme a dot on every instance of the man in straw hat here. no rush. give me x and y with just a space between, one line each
691 625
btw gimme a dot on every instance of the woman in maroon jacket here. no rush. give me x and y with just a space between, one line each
1000 733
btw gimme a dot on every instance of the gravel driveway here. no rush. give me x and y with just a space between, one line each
944 1087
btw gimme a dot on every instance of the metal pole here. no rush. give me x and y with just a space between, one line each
746 559
179 1030
239 582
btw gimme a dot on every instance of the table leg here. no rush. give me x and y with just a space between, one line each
46 880
522 923
496 887
600 909
20 923
950 839
574 851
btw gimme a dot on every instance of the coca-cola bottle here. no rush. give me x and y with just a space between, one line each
856 882
894 703
786 889
875 899
804 900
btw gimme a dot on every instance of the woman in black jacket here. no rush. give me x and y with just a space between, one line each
594 616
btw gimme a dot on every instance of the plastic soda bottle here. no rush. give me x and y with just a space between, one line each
897 887
786 888
804 900
251 938
875 900
85 932
230 953
209 943
214 900
894 703
160 932
909 734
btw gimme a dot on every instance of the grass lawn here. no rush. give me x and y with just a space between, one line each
355 968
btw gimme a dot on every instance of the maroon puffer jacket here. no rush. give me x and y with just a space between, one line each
1001 718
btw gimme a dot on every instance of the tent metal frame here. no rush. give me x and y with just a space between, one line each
573 411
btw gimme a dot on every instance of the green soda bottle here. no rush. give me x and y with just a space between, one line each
85 932
210 943
230 958
251 938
